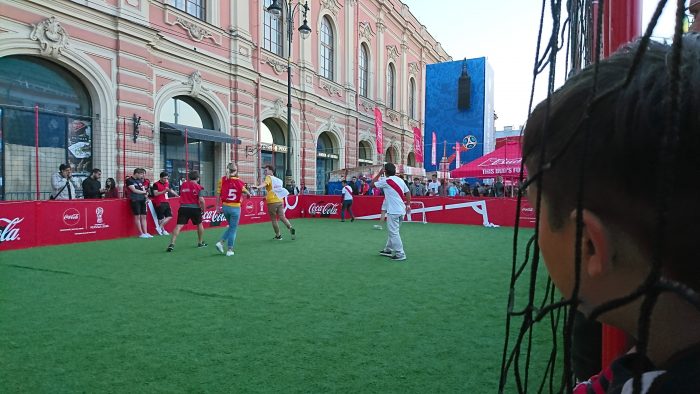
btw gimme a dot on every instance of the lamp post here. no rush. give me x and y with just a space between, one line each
276 10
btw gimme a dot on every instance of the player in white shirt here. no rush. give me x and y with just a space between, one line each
347 201
398 200
433 186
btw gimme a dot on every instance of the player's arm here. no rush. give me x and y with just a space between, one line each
202 204
407 198
266 182
133 189
219 202
376 177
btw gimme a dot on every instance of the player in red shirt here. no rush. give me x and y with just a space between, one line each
230 191
160 190
191 209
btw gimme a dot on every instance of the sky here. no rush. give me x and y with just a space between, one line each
505 32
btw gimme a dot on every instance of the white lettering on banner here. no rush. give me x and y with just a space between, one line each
100 222
249 207
213 216
286 203
323 209
71 217
495 161
10 232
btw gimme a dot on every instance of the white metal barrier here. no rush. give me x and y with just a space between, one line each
417 207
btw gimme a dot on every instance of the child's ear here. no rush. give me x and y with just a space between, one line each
596 244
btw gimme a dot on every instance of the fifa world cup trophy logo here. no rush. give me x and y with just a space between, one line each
99 211
262 206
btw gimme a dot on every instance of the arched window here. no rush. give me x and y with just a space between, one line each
411 159
390 156
391 86
273 149
412 98
179 158
272 37
364 70
364 154
64 125
326 48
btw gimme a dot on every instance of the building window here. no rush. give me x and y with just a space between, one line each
391 87
273 148
364 152
196 8
272 37
64 125
412 99
326 49
364 70
179 158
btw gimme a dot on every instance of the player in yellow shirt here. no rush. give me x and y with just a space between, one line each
275 204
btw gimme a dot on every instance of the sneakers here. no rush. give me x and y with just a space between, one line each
170 248
278 237
294 233
159 230
377 227
387 253
202 245
230 253
352 220
399 257
220 247
144 236
163 232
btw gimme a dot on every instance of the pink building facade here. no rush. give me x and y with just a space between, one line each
194 84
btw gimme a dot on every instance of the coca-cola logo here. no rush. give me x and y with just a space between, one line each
9 230
71 217
323 209
249 207
213 216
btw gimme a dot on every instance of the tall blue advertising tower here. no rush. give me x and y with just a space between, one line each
458 109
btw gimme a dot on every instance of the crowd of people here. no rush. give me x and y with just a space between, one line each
420 187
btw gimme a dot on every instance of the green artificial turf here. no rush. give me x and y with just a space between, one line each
324 313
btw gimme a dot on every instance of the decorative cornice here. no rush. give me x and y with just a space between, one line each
366 31
194 81
278 66
392 52
393 115
413 123
52 37
413 68
366 105
278 108
331 5
381 27
331 88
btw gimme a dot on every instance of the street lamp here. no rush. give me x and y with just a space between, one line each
276 10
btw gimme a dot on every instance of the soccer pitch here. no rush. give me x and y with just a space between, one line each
323 313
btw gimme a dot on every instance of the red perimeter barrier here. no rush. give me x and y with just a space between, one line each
26 224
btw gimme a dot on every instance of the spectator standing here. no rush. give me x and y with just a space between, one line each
92 188
191 209
111 190
364 187
452 190
398 199
498 187
63 184
161 192
354 185
433 186
293 188
346 191
137 193
230 190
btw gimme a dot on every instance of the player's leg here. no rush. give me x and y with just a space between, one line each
271 210
342 211
181 221
196 218
234 218
393 225
283 218
352 215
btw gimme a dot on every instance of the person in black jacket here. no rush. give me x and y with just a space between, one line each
92 188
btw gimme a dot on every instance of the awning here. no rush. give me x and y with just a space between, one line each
197 134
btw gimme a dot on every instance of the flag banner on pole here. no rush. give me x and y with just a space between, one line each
434 150
418 145
457 153
379 130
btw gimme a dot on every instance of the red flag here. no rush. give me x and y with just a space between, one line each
434 152
379 130
418 145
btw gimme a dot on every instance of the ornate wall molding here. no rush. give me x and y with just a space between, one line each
366 31
278 66
381 27
279 112
413 69
331 5
196 31
392 53
52 37
194 81
393 115
331 88
366 105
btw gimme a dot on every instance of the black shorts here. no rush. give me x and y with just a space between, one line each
163 211
138 207
185 214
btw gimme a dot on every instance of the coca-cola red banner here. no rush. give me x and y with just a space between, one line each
418 145
379 130
38 223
